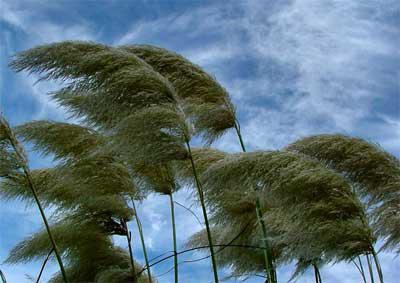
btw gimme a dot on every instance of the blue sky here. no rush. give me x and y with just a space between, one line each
293 68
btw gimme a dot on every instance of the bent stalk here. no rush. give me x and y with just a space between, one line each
362 269
140 229
371 273
3 277
377 265
268 261
319 275
174 237
23 162
267 254
129 240
43 265
203 207
316 274
56 252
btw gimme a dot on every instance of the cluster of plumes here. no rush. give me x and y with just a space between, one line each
204 99
143 96
146 103
89 251
87 190
108 84
374 173
310 212
149 101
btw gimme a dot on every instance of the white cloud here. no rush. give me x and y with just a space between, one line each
335 49
38 31
10 16
190 24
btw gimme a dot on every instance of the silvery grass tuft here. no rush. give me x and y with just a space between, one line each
68 142
205 101
14 165
375 175
311 212
374 172
126 88
304 203
3 277
87 188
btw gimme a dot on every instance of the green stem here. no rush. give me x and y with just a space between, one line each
316 274
319 275
377 265
3 277
53 242
18 150
174 237
203 207
43 265
140 229
129 240
362 269
268 261
239 134
365 222
371 273
267 255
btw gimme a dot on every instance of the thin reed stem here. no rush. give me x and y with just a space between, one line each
3 277
43 265
319 275
371 272
203 207
56 251
316 274
174 237
128 235
191 211
198 248
268 261
362 269
140 229
359 270
377 265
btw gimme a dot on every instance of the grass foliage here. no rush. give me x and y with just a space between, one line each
373 172
204 99
310 211
87 188
140 106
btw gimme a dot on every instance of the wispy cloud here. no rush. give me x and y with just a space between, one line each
35 30
10 16
338 54
25 18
